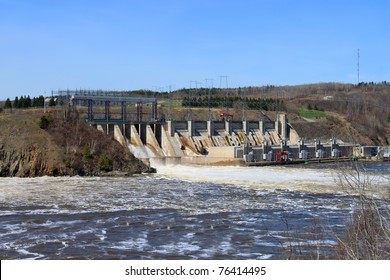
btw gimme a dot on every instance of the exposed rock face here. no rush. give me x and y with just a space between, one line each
28 162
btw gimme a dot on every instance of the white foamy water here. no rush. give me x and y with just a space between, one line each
277 178
294 179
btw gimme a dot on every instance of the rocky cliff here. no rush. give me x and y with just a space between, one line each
29 161
64 147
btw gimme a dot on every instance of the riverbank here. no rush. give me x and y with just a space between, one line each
64 146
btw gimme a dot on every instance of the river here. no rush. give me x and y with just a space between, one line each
182 212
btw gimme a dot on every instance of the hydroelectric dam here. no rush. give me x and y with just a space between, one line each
135 122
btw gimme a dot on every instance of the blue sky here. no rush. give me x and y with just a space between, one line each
151 44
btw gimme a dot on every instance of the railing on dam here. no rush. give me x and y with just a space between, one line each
111 107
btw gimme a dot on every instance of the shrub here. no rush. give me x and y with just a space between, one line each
52 102
366 238
54 171
86 152
45 121
105 163
67 163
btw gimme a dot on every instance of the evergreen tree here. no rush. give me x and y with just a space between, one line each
8 104
41 101
21 102
38 102
28 102
16 102
52 102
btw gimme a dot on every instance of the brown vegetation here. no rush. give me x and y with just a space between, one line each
366 238
361 109
62 147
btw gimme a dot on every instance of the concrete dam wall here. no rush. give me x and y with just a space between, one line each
218 141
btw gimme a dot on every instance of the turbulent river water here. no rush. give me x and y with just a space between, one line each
182 212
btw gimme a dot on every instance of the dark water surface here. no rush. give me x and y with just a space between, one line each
179 213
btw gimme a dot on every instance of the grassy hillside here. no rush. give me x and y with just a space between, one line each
311 114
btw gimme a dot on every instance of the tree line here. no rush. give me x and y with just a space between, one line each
27 102
267 104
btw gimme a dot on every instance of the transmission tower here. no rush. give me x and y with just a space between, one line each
358 66
209 95
261 94
244 103
209 83
221 78
190 95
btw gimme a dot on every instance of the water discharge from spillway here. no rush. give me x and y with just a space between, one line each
276 177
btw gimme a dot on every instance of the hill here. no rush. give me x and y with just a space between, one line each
352 113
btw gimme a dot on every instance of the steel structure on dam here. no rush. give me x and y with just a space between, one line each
108 106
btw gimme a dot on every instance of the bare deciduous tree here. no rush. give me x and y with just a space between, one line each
368 235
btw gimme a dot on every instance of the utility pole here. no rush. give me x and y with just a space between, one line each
170 103
44 99
190 96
